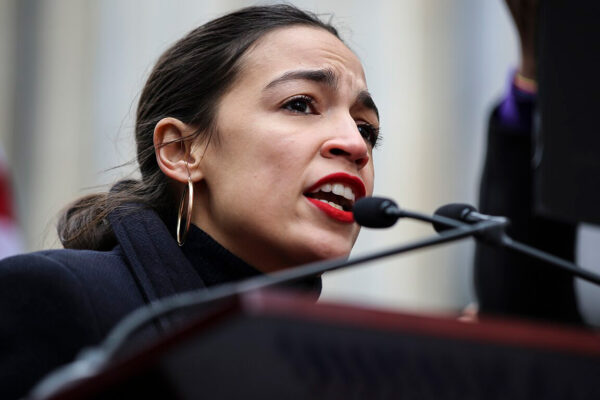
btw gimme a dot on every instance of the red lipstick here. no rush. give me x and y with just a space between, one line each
340 215
346 179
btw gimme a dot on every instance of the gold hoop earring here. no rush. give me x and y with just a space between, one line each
189 192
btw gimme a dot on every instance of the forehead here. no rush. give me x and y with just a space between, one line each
299 47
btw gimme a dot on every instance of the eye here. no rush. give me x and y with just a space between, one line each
300 105
370 133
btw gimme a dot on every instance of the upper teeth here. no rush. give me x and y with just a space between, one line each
337 188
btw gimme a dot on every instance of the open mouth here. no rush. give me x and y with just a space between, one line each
337 195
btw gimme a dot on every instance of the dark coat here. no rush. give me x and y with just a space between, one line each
508 283
53 303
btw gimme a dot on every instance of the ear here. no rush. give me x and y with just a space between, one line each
173 150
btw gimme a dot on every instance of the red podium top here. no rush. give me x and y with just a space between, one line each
275 344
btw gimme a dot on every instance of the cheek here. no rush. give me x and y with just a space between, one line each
265 172
369 177
280 158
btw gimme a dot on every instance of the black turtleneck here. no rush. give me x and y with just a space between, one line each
216 265
213 262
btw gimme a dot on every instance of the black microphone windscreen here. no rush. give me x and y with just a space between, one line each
456 211
371 212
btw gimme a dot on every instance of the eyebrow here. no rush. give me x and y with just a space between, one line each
327 77
364 98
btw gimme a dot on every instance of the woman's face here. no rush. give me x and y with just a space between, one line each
293 150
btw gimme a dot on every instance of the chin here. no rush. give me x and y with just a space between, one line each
326 248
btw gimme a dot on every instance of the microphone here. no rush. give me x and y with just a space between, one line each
463 212
379 212
468 214
376 212
496 235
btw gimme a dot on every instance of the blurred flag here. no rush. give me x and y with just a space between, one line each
10 234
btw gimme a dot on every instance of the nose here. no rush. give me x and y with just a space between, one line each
347 143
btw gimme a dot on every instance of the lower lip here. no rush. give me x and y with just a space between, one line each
332 212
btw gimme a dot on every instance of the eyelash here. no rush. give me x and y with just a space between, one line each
372 132
371 136
288 105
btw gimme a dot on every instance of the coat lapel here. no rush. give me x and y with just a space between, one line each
156 261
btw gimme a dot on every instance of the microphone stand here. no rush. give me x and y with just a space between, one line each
497 236
552 260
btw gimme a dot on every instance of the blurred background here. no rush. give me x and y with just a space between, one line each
72 70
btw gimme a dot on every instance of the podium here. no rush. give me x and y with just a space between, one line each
279 345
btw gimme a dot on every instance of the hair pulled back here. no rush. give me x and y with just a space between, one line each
186 83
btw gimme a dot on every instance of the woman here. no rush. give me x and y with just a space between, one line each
254 138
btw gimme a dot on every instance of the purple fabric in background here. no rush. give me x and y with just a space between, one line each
516 109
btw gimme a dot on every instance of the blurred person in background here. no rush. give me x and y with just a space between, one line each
508 283
254 135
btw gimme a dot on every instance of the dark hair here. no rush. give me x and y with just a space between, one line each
186 83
